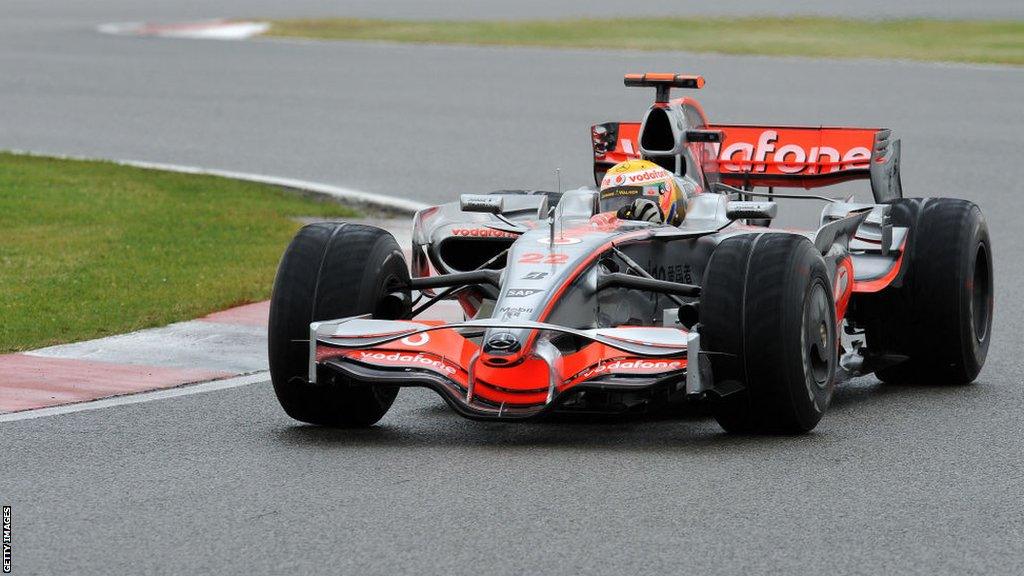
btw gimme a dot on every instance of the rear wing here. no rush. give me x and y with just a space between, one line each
777 156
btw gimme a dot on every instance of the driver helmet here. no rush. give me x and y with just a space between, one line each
641 179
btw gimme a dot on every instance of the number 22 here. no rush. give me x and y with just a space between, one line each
539 258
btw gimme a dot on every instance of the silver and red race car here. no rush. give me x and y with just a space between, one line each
568 308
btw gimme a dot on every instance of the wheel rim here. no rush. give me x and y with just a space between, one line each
818 340
981 293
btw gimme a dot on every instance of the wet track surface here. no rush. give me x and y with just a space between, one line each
916 480
895 481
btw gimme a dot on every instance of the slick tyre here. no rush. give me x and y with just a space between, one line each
768 324
940 314
332 270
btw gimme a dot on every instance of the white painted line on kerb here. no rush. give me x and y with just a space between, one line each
219 29
184 390
339 192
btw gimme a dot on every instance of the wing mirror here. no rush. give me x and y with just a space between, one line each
737 209
486 203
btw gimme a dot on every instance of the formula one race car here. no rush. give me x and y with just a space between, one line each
570 308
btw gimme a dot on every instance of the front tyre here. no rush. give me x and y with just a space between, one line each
768 322
332 270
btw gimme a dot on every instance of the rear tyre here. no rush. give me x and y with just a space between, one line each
332 270
768 317
940 315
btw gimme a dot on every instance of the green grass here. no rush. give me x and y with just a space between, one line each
92 248
999 42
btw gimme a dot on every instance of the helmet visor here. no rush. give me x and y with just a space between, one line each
614 198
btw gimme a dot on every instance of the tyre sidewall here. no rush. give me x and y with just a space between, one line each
752 317
927 315
330 271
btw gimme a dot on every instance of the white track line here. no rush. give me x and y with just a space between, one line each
219 29
358 196
184 390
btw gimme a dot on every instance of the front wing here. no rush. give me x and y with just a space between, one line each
446 358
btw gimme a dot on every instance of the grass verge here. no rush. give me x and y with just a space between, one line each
89 249
996 42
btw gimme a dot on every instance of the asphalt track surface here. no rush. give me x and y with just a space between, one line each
909 480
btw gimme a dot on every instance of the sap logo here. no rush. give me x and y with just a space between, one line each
521 292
